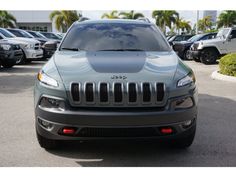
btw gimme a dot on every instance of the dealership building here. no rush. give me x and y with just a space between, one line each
34 20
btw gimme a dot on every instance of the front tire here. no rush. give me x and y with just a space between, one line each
187 55
8 65
47 143
23 60
209 56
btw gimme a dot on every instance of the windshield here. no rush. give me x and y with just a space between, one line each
51 36
20 33
6 33
223 33
34 34
195 38
115 37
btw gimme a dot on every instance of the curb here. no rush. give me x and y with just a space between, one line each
218 76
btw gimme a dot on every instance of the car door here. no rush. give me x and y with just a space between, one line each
232 42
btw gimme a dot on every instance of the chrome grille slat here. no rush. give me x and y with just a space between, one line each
117 94
103 92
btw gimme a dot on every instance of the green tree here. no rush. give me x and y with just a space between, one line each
205 24
130 15
226 19
64 19
165 18
7 19
112 15
183 25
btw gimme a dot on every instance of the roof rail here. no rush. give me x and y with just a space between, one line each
83 19
144 19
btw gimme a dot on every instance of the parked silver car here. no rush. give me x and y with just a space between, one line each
115 79
31 47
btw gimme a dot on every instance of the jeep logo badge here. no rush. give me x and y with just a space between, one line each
118 77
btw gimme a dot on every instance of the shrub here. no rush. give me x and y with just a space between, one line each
228 65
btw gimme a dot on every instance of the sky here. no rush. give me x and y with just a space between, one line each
186 15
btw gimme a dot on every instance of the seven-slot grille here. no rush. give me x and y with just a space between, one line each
117 93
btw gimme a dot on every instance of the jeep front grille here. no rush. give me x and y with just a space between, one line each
115 94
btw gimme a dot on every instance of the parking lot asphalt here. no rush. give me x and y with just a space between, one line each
214 145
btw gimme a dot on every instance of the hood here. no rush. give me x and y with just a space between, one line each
209 41
25 40
116 66
9 41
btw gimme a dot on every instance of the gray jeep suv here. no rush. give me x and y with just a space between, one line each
112 79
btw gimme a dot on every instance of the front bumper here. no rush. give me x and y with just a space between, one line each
11 56
82 119
33 54
48 53
195 54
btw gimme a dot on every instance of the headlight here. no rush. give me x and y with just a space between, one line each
44 78
6 47
183 103
190 78
29 46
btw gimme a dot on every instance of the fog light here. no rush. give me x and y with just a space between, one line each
52 103
183 103
45 124
187 123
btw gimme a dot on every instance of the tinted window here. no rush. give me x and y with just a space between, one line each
16 33
196 38
51 36
179 38
233 33
115 36
33 34
6 33
20 33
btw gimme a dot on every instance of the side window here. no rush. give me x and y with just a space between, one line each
205 37
178 38
233 33
1 37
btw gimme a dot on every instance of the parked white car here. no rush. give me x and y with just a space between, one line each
31 48
209 51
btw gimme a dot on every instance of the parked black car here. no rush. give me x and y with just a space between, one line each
49 48
52 36
182 48
10 54
38 37
178 38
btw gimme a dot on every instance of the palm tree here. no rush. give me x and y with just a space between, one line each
205 23
183 25
7 19
130 15
112 15
64 19
165 18
226 19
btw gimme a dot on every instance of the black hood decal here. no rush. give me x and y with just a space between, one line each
116 62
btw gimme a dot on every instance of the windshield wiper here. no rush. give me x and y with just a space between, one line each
72 49
121 50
